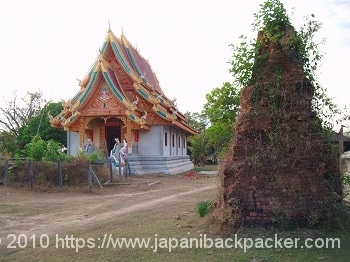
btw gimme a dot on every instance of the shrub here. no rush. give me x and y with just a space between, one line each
203 207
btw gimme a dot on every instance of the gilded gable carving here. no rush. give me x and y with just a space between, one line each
104 93
154 119
123 78
99 106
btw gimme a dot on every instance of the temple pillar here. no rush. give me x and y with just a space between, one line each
81 130
128 134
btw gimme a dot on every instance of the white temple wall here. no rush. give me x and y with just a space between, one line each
73 145
173 147
166 141
159 141
162 141
150 142
174 142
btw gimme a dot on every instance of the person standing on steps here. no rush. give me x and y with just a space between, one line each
90 146
115 147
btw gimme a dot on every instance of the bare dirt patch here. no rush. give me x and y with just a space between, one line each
25 211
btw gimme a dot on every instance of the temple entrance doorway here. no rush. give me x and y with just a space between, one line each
112 132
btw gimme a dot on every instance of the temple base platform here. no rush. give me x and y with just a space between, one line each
167 165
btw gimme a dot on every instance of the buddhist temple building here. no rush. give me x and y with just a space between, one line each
120 97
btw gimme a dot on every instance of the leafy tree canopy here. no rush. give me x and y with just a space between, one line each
40 125
197 121
23 121
222 104
221 108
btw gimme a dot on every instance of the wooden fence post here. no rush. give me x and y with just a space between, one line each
6 172
110 169
128 168
30 174
60 180
89 176
119 167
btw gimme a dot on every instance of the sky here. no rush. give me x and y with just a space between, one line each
47 45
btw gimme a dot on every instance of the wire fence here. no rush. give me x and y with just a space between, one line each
25 171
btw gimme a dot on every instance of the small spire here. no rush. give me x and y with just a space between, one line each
109 26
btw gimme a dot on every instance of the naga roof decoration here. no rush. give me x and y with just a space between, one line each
129 77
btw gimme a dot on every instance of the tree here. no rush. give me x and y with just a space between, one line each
222 104
219 136
199 148
39 149
221 108
40 125
8 144
21 122
198 121
15 115
198 144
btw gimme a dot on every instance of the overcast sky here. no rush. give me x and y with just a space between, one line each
46 44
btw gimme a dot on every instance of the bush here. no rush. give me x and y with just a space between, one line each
203 207
39 149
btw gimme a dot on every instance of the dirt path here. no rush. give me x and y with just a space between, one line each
28 212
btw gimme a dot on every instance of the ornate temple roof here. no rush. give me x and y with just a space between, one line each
122 71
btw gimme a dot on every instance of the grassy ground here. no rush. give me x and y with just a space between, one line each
147 225
175 223
206 168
